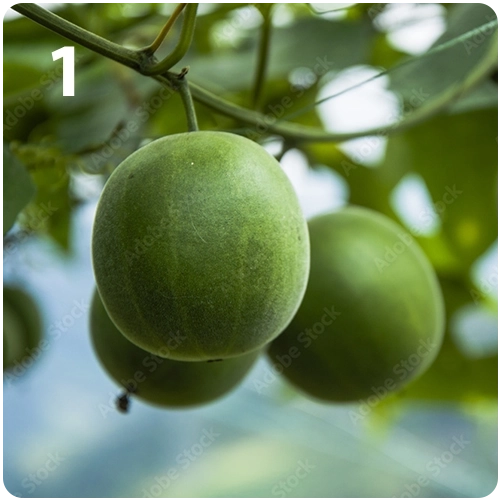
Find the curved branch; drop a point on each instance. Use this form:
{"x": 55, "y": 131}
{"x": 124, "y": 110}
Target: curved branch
{"x": 155, "y": 45}
{"x": 182, "y": 46}
{"x": 262, "y": 123}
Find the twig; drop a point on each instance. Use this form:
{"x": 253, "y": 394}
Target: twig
{"x": 151, "y": 49}
{"x": 262, "y": 60}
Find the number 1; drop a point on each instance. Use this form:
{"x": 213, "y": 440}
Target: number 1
{"x": 68, "y": 57}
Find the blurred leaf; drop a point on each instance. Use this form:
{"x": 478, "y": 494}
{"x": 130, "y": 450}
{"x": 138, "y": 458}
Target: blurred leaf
{"x": 50, "y": 211}
{"x": 283, "y": 99}
{"x": 18, "y": 188}
{"x": 483, "y": 96}
{"x": 21, "y": 31}
{"x": 92, "y": 114}
{"x": 310, "y": 42}
{"x": 316, "y": 42}
{"x": 457, "y": 157}
{"x": 52, "y": 208}
{"x": 430, "y": 79}
{"x": 19, "y": 77}
{"x": 383, "y": 53}
{"x": 369, "y": 187}
{"x": 23, "y": 99}
{"x": 29, "y": 72}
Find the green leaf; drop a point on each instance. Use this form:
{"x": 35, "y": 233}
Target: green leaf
{"x": 432, "y": 80}
{"x": 310, "y": 42}
{"x": 383, "y": 53}
{"x": 18, "y": 188}
{"x": 23, "y": 98}
{"x": 457, "y": 157}
{"x": 90, "y": 117}
{"x": 50, "y": 210}
{"x": 484, "y": 96}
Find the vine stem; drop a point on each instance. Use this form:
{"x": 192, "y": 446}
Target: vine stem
{"x": 182, "y": 46}
{"x": 263, "y": 56}
{"x": 53, "y": 22}
{"x": 155, "y": 45}
{"x": 263, "y": 123}
{"x": 187, "y": 100}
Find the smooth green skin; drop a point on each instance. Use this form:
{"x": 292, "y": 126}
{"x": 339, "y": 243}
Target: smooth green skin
{"x": 162, "y": 382}
{"x": 200, "y": 235}
{"x": 384, "y": 315}
{"x": 22, "y": 326}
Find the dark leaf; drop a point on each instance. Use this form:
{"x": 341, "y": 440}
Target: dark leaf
{"x": 18, "y": 188}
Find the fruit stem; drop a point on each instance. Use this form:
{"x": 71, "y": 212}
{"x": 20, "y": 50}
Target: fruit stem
{"x": 183, "y": 87}
{"x": 263, "y": 57}
{"x": 151, "y": 49}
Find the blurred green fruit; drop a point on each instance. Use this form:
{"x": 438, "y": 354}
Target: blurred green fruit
{"x": 157, "y": 380}
{"x": 200, "y": 249}
{"x": 22, "y": 329}
{"x": 372, "y": 318}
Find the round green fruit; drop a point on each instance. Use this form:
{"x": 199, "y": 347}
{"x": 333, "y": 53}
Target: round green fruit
{"x": 200, "y": 249}
{"x": 160, "y": 381}
{"x": 372, "y": 318}
{"x": 22, "y": 328}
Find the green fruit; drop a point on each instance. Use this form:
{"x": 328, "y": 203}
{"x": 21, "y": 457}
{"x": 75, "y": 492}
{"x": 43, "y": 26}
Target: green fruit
{"x": 372, "y": 318}
{"x": 200, "y": 249}
{"x": 22, "y": 328}
{"x": 157, "y": 380}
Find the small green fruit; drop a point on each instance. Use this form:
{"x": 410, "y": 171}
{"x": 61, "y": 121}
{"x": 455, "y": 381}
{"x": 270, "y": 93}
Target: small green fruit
{"x": 157, "y": 380}
{"x": 372, "y": 318}
{"x": 200, "y": 249}
{"x": 22, "y": 328}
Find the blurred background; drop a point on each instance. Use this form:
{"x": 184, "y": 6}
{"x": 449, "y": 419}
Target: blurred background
{"x": 430, "y": 92}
